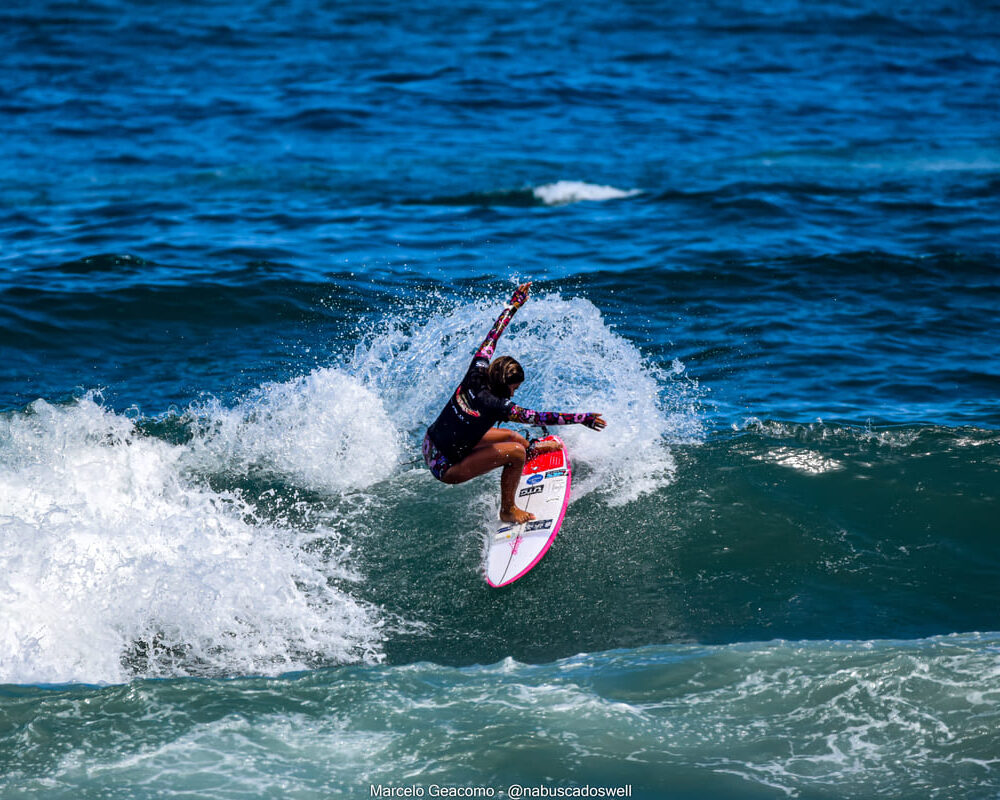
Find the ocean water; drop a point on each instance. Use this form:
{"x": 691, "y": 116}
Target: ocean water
{"x": 247, "y": 250}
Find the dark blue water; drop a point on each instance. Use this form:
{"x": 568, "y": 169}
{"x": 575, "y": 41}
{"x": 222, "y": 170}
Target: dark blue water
{"x": 247, "y": 251}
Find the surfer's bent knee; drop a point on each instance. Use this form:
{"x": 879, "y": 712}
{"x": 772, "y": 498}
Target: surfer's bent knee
{"x": 517, "y": 454}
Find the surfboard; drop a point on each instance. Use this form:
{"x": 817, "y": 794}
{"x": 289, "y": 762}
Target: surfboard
{"x": 512, "y": 551}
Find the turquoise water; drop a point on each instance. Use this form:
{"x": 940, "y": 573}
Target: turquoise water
{"x": 898, "y": 718}
{"x": 247, "y": 251}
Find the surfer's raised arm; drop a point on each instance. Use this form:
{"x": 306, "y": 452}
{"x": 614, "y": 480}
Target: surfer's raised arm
{"x": 518, "y": 299}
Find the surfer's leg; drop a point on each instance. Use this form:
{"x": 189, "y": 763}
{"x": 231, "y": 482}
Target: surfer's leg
{"x": 509, "y": 479}
{"x": 534, "y": 448}
{"x": 498, "y": 435}
{"x": 487, "y": 457}
{"x": 538, "y": 448}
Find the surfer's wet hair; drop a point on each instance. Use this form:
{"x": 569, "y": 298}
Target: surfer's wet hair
{"x": 503, "y": 372}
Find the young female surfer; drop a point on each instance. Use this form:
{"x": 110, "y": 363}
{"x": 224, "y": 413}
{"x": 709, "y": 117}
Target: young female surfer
{"x": 462, "y": 442}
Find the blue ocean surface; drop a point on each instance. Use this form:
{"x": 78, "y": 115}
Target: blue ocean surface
{"x": 246, "y": 253}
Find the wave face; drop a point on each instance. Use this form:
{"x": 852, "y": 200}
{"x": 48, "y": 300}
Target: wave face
{"x": 314, "y": 493}
{"x": 240, "y": 277}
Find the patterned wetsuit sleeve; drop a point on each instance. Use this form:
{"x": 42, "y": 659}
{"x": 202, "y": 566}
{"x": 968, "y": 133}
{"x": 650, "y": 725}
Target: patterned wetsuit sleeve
{"x": 530, "y": 417}
{"x": 489, "y": 344}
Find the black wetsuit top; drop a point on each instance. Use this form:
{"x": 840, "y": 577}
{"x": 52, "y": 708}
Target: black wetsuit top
{"x": 472, "y": 410}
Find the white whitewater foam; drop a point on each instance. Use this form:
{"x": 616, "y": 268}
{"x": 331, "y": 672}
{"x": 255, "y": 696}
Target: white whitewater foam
{"x": 565, "y": 192}
{"x": 325, "y": 431}
{"x": 114, "y": 561}
{"x": 573, "y": 362}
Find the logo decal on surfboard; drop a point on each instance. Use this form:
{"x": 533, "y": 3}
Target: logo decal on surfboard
{"x": 530, "y": 490}
{"x": 534, "y": 479}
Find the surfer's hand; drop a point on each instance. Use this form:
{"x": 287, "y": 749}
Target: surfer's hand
{"x": 520, "y": 296}
{"x": 594, "y": 422}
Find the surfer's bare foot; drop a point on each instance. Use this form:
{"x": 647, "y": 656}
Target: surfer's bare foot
{"x": 516, "y": 515}
{"x": 549, "y": 446}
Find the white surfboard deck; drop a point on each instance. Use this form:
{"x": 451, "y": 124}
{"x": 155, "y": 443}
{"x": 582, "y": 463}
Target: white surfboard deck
{"x": 513, "y": 550}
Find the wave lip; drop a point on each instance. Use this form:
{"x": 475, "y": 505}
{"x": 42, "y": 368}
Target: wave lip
{"x": 563, "y": 193}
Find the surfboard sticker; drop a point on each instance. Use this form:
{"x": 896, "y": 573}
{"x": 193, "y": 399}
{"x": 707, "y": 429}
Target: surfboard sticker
{"x": 513, "y": 550}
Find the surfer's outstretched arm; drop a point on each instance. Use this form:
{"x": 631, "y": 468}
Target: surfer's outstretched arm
{"x": 517, "y": 300}
{"x": 530, "y": 417}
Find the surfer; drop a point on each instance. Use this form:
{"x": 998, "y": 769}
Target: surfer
{"x": 462, "y": 443}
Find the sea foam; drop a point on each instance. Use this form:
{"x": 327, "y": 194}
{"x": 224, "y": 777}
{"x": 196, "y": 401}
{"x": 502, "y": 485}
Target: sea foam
{"x": 117, "y": 561}
{"x": 325, "y": 431}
